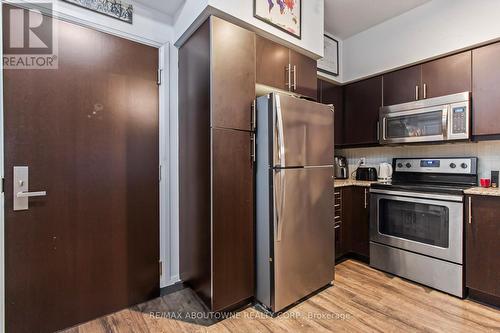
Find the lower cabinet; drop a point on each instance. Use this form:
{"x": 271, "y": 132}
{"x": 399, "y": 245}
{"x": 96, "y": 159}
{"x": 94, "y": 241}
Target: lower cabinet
{"x": 355, "y": 227}
{"x": 482, "y": 248}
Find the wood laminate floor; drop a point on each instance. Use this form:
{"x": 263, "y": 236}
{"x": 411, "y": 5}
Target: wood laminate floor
{"x": 362, "y": 300}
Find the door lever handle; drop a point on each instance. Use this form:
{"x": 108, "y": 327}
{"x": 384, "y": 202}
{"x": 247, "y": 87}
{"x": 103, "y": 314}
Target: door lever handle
{"x": 31, "y": 194}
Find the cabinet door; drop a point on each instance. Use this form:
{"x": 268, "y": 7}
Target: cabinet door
{"x": 304, "y": 74}
{"x": 482, "y": 244}
{"x": 449, "y": 75}
{"x": 332, "y": 94}
{"x": 272, "y": 62}
{"x": 233, "y": 75}
{"x": 485, "y": 88}
{"x": 232, "y": 218}
{"x": 402, "y": 86}
{"x": 362, "y": 101}
{"x": 360, "y": 221}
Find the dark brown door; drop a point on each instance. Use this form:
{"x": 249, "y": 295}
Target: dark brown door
{"x": 304, "y": 74}
{"x": 233, "y": 75}
{"x": 485, "y": 90}
{"x": 449, "y": 75}
{"x": 88, "y": 132}
{"x": 233, "y": 230}
{"x": 272, "y": 62}
{"x": 359, "y": 221}
{"x": 332, "y": 94}
{"x": 402, "y": 86}
{"x": 362, "y": 101}
{"x": 483, "y": 245}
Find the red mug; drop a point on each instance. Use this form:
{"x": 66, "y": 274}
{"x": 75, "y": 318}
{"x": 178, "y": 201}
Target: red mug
{"x": 485, "y": 182}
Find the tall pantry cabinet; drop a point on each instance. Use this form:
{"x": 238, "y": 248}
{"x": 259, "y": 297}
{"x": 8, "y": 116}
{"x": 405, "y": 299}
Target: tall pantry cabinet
{"x": 216, "y": 92}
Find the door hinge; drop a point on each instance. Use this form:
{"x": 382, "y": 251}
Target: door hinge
{"x": 161, "y": 268}
{"x": 159, "y": 76}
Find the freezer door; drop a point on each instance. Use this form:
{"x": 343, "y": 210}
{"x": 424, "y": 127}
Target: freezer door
{"x": 303, "y": 132}
{"x": 303, "y": 233}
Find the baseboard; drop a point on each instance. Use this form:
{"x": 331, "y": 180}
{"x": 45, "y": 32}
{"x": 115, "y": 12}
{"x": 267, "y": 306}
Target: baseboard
{"x": 172, "y": 288}
{"x": 484, "y": 298}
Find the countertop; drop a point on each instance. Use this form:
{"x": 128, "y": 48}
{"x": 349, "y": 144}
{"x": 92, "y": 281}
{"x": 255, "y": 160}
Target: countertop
{"x": 483, "y": 191}
{"x": 352, "y": 182}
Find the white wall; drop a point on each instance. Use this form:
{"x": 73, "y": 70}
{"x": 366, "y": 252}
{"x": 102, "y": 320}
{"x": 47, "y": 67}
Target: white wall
{"x": 486, "y": 151}
{"x": 431, "y": 30}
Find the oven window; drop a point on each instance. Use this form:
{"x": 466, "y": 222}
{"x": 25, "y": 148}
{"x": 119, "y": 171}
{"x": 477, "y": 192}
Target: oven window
{"x": 423, "y": 223}
{"x": 424, "y": 124}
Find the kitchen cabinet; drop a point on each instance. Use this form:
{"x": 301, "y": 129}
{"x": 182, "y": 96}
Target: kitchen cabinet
{"x": 485, "y": 88}
{"x": 362, "y": 101}
{"x": 445, "y": 76}
{"x": 402, "y": 86}
{"x": 482, "y": 248}
{"x": 285, "y": 69}
{"x": 216, "y": 231}
{"x": 448, "y": 75}
{"x": 355, "y": 225}
{"x": 328, "y": 93}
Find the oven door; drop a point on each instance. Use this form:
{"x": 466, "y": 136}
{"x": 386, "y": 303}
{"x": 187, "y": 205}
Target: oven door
{"x": 422, "y": 125}
{"x": 425, "y": 223}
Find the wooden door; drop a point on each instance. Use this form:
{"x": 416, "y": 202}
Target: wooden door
{"x": 232, "y": 222}
{"x": 232, "y": 75}
{"x": 449, "y": 75}
{"x": 360, "y": 221}
{"x": 305, "y": 74}
{"x": 485, "y": 88}
{"x": 483, "y": 245}
{"x": 88, "y": 131}
{"x": 332, "y": 94}
{"x": 403, "y": 86}
{"x": 362, "y": 101}
{"x": 272, "y": 62}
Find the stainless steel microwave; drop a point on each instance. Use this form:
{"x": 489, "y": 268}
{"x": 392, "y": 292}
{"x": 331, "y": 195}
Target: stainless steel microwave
{"x": 443, "y": 118}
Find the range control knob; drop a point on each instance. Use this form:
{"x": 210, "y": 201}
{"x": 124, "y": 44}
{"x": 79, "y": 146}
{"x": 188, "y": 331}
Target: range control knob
{"x": 464, "y": 165}
{"x": 408, "y": 165}
{"x": 400, "y": 165}
{"x": 453, "y": 165}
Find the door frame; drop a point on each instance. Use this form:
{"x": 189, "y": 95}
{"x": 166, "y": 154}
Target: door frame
{"x": 166, "y": 191}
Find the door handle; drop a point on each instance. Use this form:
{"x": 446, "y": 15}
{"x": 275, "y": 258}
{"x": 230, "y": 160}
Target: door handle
{"x": 425, "y": 91}
{"x": 288, "y": 71}
{"x": 294, "y": 84}
{"x": 470, "y": 210}
{"x": 21, "y": 191}
{"x": 366, "y": 198}
{"x": 31, "y": 194}
{"x": 417, "y": 93}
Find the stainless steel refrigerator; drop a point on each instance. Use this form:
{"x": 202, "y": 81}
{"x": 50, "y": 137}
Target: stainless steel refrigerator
{"x": 294, "y": 199}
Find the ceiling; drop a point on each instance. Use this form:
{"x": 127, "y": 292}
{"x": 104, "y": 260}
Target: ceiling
{"x": 168, "y": 7}
{"x": 345, "y": 18}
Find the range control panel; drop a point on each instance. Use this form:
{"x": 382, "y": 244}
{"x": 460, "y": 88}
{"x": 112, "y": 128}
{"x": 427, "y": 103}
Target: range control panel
{"x": 465, "y": 165}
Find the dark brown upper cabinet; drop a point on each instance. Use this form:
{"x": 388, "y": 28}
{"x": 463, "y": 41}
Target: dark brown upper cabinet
{"x": 233, "y": 75}
{"x": 285, "y": 69}
{"x": 329, "y": 93}
{"x": 485, "y": 90}
{"x": 448, "y": 75}
{"x": 362, "y": 101}
{"x": 482, "y": 245}
{"x": 402, "y": 86}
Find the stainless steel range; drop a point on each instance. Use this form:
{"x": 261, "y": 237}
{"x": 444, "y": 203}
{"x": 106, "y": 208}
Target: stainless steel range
{"x": 416, "y": 221}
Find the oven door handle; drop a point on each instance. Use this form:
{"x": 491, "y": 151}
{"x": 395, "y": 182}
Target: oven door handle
{"x": 444, "y": 197}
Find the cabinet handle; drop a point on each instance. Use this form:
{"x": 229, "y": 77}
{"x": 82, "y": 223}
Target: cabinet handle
{"x": 425, "y": 91}
{"x": 294, "y": 86}
{"x": 378, "y": 130}
{"x": 470, "y": 210}
{"x": 288, "y": 70}
{"x": 253, "y": 121}
{"x": 417, "y": 92}
{"x": 366, "y": 198}
{"x": 253, "y": 149}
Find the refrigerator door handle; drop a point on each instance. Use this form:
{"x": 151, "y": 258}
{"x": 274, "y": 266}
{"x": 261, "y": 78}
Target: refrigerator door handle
{"x": 281, "y": 138}
{"x": 279, "y": 203}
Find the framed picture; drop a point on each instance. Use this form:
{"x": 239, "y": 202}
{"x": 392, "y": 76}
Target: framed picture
{"x": 285, "y": 15}
{"x": 329, "y": 64}
{"x": 118, "y": 9}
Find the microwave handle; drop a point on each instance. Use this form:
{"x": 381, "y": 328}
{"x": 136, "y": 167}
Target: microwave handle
{"x": 445, "y": 122}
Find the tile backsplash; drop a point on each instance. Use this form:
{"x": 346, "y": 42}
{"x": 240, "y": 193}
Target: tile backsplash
{"x": 488, "y": 153}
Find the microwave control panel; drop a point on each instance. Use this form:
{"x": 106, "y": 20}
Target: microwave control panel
{"x": 459, "y": 116}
